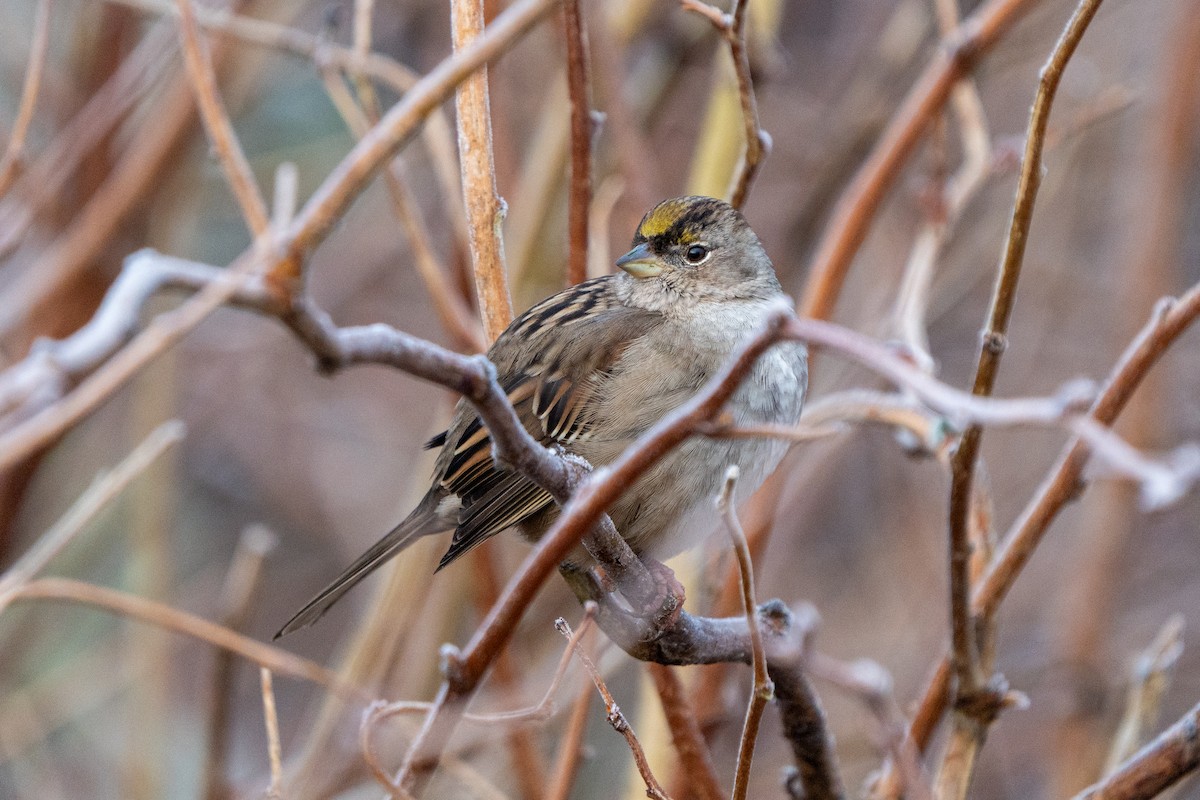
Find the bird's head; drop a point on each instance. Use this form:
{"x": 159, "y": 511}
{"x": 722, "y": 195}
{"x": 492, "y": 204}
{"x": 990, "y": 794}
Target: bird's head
{"x": 699, "y": 248}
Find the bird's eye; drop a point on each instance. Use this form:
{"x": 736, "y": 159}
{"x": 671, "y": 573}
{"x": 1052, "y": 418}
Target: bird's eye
{"x": 696, "y": 253}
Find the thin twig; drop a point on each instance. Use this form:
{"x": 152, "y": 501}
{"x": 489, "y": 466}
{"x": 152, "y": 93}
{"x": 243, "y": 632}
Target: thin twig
{"x": 570, "y": 748}
{"x": 732, "y": 27}
{"x": 56, "y": 413}
{"x": 378, "y": 712}
{"x": 524, "y": 752}
{"x": 871, "y": 684}
{"x": 758, "y": 143}
{"x": 1156, "y": 767}
{"x": 10, "y": 163}
{"x": 106, "y": 487}
{"x": 237, "y": 600}
{"x": 763, "y": 690}
{"x": 1171, "y": 317}
{"x": 962, "y": 466}
{"x": 686, "y": 736}
{"x": 52, "y": 416}
{"x": 615, "y": 717}
{"x": 274, "y": 749}
{"x": 456, "y": 316}
{"x": 485, "y": 209}
{"x": 580, "y": 91}
{"x": 912, "y": 297}
{"x": 126, "y": 185}
{"x": 1149, "y": 679}
{"x": 1161, "y": 482}
{"x": 851, "y": 218}
{"x": 43, "y": 181}
{"x": 127, "y": 605}
{"x": 216, "y": 122}
{"x": 324, "y": 53}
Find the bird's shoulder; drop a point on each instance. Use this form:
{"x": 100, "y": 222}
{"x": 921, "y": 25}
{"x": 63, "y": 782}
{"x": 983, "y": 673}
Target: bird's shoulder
{"x": 551, "y": 362}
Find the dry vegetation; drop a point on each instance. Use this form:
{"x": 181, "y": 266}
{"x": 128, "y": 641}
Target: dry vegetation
{"x": 984, "y": 540}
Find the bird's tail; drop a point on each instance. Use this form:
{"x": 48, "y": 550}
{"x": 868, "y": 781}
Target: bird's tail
{"x": 424, "y": 520}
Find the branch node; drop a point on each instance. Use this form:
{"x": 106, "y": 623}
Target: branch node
{"x": 985, "y": 705}
{"x": 994, "y": 342}
{"x": 450, "y": 664}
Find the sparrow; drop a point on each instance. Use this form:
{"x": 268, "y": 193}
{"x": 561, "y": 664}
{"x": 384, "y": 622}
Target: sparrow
{"x": 592, "y": 368}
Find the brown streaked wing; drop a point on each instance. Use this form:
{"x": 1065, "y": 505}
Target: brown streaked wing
{"x": 551, "y": 388}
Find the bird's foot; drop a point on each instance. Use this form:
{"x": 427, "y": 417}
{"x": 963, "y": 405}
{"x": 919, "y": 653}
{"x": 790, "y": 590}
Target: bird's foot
{"x": 666, "y": 604}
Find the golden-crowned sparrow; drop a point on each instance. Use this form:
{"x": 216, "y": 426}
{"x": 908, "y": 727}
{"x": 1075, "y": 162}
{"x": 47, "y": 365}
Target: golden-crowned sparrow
{"x": 594, "y": 367}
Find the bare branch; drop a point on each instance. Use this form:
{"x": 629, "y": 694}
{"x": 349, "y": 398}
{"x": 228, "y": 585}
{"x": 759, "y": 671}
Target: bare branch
{"x": 967, "y": 668}
{"x": 216, "y": 122}
{"x": 237, "y": 597}
{"x": 732, "y": 27}
{"x": 615, "y": 717}
{"x": 127, "y": 605}
{"x": 310, "y": 226}
{"x": 686, "y": 735}
{"x": 569, "y": 752}
{"x": 456, "y": 316}
{"x": 579, "y": 86}
{"x": 852, "y": 215}
{"x": 327, "y": 54}
{"x": 758, "y": 143}
{"x": 485, "y": 209}
{"x": 1149, "y": 678}
{"x": 106, "y": 487}
{"x": 871, "y": 684}
{"x": 274, "y": 750}
{"x": 10, "y": 163}
{"x": 763, "y": 689}
{"x": 1156, "y": 767}
{"x": 1170, "y": 319}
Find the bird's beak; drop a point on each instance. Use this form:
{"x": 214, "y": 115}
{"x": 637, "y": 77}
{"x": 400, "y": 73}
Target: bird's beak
{"x": 640, "y": 262}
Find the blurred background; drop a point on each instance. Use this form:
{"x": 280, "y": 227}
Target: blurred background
{"x": 94, "y": 705}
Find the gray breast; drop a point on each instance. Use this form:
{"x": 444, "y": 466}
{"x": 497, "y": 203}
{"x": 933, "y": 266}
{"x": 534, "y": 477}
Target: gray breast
{"x": 670, "y": 508}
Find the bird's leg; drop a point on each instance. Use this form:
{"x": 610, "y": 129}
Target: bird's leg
{"x": 667, "y": 603}
{"x": 657, "y": 607}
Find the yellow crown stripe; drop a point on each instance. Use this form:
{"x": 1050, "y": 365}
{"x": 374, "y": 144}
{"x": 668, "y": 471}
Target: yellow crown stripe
{"x": 660, "y": 220}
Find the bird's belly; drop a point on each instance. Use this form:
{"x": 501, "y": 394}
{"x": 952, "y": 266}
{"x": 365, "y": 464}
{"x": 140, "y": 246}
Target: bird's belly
{"x": 670, "y": 508}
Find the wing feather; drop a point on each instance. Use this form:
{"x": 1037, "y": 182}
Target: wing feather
{"x": 553, "y": 382}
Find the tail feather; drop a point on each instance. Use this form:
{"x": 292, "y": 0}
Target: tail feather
{"x": 424, "y": 520}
